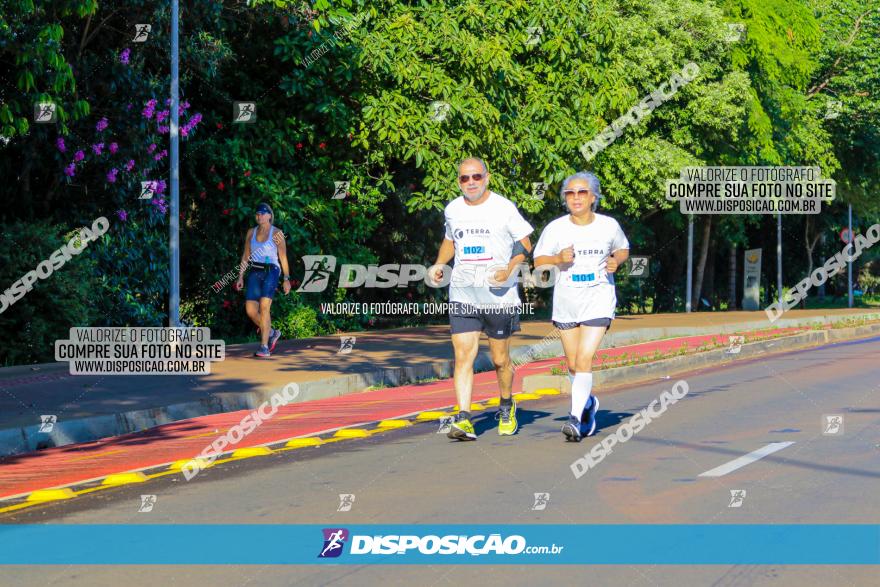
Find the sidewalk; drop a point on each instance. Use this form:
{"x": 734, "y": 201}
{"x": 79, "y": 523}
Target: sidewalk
{"x": 92, "y": 407}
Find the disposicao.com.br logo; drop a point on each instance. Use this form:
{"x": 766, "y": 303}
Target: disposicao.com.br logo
{"x": 412, "y": 544}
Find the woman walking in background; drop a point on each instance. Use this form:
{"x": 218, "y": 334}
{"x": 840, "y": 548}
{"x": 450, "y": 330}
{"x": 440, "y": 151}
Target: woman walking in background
{"x": 265, "y": 255}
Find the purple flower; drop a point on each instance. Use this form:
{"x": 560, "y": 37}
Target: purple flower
{"x": 161, "y": 186}
{"x": 70, "y": 170}
{"x": 149, "y": 109}
{"x": 97, "y": 148}
{"x": 161, "y": 155}
{"x": 191, "y": 124}
{"x": 111, "y": 175}
{"x": 160, "y": 205}
{"x": 128, "y": 107}
{"x": 59, "y": 142}
{"x": 79, "y": 156}
{"x": 123, "y": 57}
{"x": 114, "y": 147}
{"x": 151, "y": 148}
{"x": 162, "y": 115}
{"x": 130, "y": 165}
{"x": 123, "y": 215}
{"x": 162, "y": 129}
{"x": 102, "y": 124}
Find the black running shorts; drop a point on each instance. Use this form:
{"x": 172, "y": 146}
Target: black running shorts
{"x": 606, "y": 322}
{"x": 497, "y": 323}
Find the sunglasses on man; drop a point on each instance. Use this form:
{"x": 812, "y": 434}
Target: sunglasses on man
{"x": 467, "y": 178}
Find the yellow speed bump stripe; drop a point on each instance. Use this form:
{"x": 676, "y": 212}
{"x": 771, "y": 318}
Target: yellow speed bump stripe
{"x": 302, "y": 442}
{"x": 521, "y": 397}
{"x": 389, "y": 424}
{"x": 352, "y": 433}
{"x": 431, "y": 416}
{"x": 547, "y": 391}
{"x": 42, "y": 495}
{"x": 493, "y": 401}
{"x": 197, "y": 462}
{"x": 124, "y": 478}
{"x": 251, "y": 451}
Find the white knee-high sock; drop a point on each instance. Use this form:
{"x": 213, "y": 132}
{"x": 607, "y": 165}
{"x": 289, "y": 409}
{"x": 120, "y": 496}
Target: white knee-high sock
{"x": 580, "y": 393}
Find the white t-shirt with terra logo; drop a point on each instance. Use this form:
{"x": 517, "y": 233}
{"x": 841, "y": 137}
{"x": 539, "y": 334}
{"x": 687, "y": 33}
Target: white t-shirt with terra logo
{"x": 584, "y": 290}
{"x": 484, "y": 236}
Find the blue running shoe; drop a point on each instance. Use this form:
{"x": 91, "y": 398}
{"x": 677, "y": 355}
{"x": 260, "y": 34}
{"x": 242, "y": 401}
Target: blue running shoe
{"x": 589, "y": 416}
{"x": 274, "y": 335}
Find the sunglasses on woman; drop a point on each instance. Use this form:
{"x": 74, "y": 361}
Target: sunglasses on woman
{"x": 467, "y": 178}
{"x": 571, "y": 193}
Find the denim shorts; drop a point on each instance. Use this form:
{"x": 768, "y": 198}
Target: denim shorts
{"x": 262, "y": 283}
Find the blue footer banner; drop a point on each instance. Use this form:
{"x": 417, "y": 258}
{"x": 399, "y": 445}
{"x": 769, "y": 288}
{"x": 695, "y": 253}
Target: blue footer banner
{"x": 557, "y": 544}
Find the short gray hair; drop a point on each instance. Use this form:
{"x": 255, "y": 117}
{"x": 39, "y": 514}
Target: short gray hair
{"x": 480, "y": 161}
{"x": 591, "y": 180}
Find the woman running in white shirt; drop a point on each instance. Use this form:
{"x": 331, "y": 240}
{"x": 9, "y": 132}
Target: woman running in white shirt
{"x": 587, "y": 248}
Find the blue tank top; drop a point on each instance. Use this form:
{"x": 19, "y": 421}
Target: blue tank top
{"x": 265, "y": 252}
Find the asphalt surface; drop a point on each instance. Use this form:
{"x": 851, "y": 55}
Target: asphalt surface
{"x": 416, "y": 476}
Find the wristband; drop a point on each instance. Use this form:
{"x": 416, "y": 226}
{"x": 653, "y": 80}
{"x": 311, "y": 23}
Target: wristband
{"x": 519, "y": 249}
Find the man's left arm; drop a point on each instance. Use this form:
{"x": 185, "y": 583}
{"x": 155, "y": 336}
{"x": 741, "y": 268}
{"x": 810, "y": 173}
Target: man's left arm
{"x": 521, "y": 249}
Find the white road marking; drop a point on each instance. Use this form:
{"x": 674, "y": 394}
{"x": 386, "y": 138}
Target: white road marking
{"x": 748, "y": 459}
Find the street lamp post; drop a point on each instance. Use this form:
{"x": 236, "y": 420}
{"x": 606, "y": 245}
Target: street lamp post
{"x": 779, "y": 258}
{"x": 174, "y": 224}
{"x": 690, "y": 268}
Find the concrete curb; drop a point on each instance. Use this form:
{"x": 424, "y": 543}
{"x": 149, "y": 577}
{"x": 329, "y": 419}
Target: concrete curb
{"x": 26, "y": 439}
{"x": 666, "y": 368}
{"x": 613, "y": 339}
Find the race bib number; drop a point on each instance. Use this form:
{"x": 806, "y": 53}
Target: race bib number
{"x": 473, "y": 246}
{"x": 586, "y": 276}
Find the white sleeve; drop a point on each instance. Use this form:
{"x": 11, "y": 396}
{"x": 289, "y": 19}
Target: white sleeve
{"x": 448, "y": 227}
{"x": 546, "y": 244}
{"x": 619, "y": 240}
{"x": 517, "y": 225}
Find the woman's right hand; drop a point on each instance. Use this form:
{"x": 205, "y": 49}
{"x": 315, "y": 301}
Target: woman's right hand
{"x": 567, "y": 254}
{"x": 239, "y": 284}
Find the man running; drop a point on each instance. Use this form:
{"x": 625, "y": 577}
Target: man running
{"x": 488, "y": 238}
{"x": 587, "y": 248}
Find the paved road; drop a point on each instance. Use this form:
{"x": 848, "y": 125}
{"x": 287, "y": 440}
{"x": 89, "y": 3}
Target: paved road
{"x": 416, "y": 476}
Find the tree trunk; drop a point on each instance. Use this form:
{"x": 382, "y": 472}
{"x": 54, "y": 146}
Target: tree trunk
{"x": 24, "y": 194}
{"x": 709, "y": 280}
{"x": 809, "y": 244}
{"x": 731, "y": 279}
{"x": 701, "y": 264}
{"x": 822, "y": 248}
